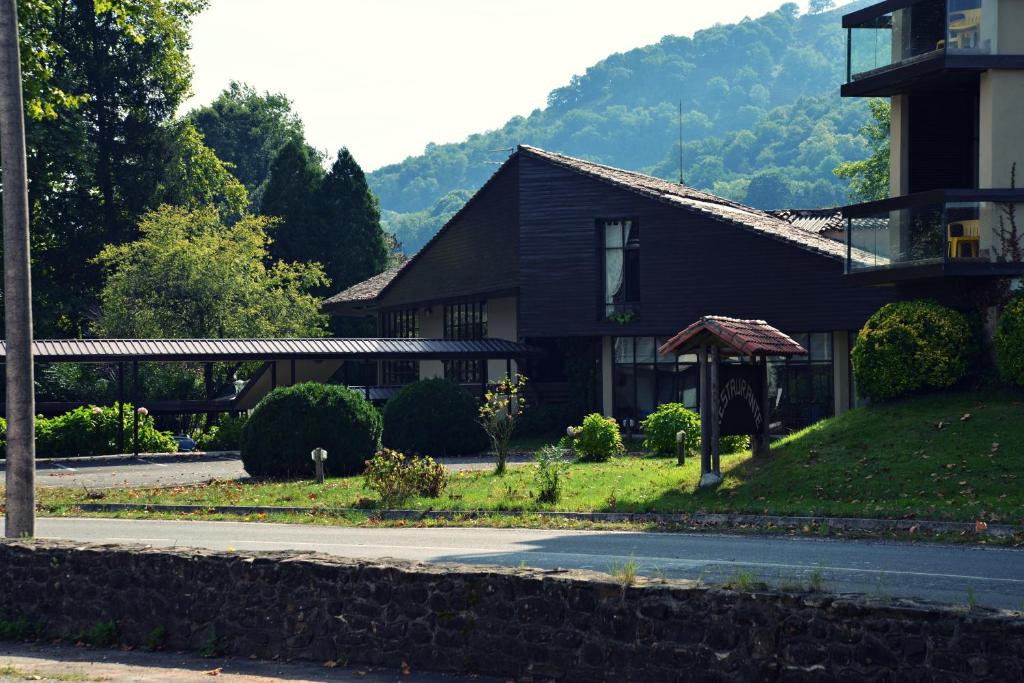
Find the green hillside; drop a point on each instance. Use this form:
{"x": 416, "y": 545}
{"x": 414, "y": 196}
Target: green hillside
{"x": 759, "y": 98}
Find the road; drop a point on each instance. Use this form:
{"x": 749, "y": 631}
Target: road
{"x": 941, "y": 573}
{"x": 178, "y": 470}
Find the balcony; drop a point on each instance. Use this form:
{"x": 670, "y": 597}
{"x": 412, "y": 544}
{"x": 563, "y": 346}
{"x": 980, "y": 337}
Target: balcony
{"x": 917, "y": 44}
{"x": 941, "y": 233}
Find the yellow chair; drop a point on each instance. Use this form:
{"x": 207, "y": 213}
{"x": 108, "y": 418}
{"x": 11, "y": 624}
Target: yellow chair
{"x": 964, "y": 238}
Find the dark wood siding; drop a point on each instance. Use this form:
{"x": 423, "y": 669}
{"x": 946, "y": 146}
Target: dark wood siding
{"x": 476, "y": 253}
{"x": 689, "y": 266}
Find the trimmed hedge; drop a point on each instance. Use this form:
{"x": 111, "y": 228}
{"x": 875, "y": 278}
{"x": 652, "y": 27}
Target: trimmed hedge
{"x": 1009, "y": 342}
{"x": 434, "y": 416}
{"x": 909, "y": 346}
{"x": 290, "y": 422}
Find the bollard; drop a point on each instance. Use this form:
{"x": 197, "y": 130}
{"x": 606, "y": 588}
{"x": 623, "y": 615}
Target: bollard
{"x": 680, "y": 447}
{"x": 319, "y": 455}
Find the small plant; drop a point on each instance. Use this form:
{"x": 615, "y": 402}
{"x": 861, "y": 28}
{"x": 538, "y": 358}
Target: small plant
{"x": 597, "y": 439}
{"x": 622, "y": 317}
{"x": 396, "y": 477}
{"x": 972, "y": 599}
{"x": 19, "y": 629}
{"x": 550, "y": 463}
{"x": 503, "y": 405}
{"x": 1009, "y": 342}
{"x": 226, "y": 435}
{"x": 214, "y": 647}
{"x": 745, "y": 581}
{"x": 816, "y": 580}
{"x": 101, "y": 634}
{"x": 156, "y": 638}
{"x": 663, "y": 424}
{"x": 625, "y": 572}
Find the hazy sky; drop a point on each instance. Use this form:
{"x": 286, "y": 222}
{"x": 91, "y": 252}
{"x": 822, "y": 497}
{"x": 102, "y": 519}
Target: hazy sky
{"x": 385, "y": 77}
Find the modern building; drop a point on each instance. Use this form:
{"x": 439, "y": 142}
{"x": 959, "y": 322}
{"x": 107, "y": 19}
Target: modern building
{"x": 954, "y": 70}
{"x": 598, "y": 266}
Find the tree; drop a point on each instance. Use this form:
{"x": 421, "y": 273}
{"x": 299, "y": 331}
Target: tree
{"x": 106, "y": 77}
{"x": 194, "y": 177}
{"x": 247, "y": 129}
{"x": 191, "y": 276}
{"x": 819, "y": 6}
{"x": 20, "y": 396}
{"x": 869, "y": 178}
{"x": 769, "y": 190}
{"x": 332, "y": 218}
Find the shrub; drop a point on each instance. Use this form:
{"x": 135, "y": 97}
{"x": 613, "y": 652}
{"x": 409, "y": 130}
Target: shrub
{"x": 92, "y": 430}
{"x": 1009, "y": 342}
{"x": 395, "y": 478}
{"x": 545, "y": 420}
{"x": 290, "y": 422}
{"x": 550, "y": 461}
{"x": 662, "y": 425}
{"x": 909, "y": 346}
{"x": 433, "y": 416}
{"x": 502, "y": 406}
{"x": 733, "y": 444}
{"x": 226, "y": 435}
{"x": 597, "y": 439}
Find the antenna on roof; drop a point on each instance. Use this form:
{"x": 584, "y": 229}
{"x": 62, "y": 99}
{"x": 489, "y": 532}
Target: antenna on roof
{"x": 680, "y": 142}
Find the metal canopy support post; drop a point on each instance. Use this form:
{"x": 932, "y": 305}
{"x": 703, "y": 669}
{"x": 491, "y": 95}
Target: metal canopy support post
{"x": 273, "y": 374}
{"x": 508, "y": 368}
{"x": 293, "y": 371}
{"x": 135, "y": 406}
{"x": 120, "y": 407}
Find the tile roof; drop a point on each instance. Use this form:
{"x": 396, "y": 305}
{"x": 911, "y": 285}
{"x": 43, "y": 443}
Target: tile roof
{"x": 703, "y": 202}
{"x": 112, "y": 350}
{"x": 748, "y": 337}
{"x": 365, "y": 291}
{"x": 813, "y": 220}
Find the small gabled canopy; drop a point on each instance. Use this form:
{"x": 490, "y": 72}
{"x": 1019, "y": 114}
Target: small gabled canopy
{"x": 741, "y": 337}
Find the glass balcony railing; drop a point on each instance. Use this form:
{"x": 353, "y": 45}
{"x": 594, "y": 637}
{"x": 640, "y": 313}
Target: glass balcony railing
{"x": 967, "y": 231}
{"x": 895, "y": 34}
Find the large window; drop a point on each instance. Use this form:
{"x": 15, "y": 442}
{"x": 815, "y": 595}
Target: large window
{"x": 466, "y": 321}
{"x": 403, "y": 324}
{"x": 642, "y": 379}
{"x": 800, "y": 388}
{"x": 621, "y": 267}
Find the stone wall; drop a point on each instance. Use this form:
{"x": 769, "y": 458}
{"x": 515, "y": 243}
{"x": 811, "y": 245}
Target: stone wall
{"x": 526, "y": 624}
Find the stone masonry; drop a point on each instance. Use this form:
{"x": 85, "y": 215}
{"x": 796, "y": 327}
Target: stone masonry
{"x": 523, "y": 624}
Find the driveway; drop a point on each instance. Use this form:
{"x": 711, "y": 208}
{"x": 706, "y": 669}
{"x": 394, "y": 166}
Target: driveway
{"x": 126, "y": 471}
{"x": 944, "y": 573}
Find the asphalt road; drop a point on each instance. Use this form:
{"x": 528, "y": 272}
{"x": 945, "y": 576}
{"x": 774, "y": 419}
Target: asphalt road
{"x": 177, "y": 470}
{"x": 941, "y": 573}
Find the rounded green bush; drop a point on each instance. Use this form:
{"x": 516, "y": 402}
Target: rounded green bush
{"x": 1009, "y": 342}
{"x": 290, "y": 422}
{"x": 434, "y": 417}
{"x": 597, "y": 439}
{"x": 910, "y": 346}
{"x": 663, "y": 424}
{"x": 92, "y": 430}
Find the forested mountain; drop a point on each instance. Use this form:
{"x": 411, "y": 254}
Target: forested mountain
{"x": 760, "y": 99}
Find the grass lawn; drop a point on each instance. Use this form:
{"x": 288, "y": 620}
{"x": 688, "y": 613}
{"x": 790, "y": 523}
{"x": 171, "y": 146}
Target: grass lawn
{"x": 954, "y": 456}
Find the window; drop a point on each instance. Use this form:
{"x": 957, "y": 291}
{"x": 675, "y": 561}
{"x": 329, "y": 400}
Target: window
{"x": 621, "y": 267}
{"x": 403, "y": 324}
{"x": 466, "y": 321}
{"x": 800, "y": 388}
{"x": 642, "y": 380}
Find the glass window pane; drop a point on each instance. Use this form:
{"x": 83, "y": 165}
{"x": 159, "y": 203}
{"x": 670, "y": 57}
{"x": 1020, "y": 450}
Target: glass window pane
{"x": 821, "y": 346}
{"x": 623, "y": 350}
{"x": 623, "y": 395}
{"x": 632, "y": 231}
{"x": 612, "y": 234}
{"x": 803, "y": 339}
{"x": 645, "y": 391}
{"x": 631, "y": 275}
{"x": 644, "y": 349}
{"x": 658, "y": 343}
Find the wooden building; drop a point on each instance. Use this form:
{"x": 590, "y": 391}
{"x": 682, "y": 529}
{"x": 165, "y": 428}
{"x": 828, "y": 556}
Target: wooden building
{"x": 599, "y": 266}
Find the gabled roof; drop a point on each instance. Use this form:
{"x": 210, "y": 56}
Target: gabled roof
{"x": 813, "y": 220}
{"x": 365, "y": 291}
{"x": 704, "y": 203}
{"x": 747, "y": 337}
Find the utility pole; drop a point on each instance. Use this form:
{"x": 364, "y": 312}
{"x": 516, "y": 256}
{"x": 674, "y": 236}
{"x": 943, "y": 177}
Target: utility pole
{"x": 20, "y": 518}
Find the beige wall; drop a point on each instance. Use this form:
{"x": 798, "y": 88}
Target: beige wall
{"x": 431, "y": 319}
{"x": 1001, "y": 127}
{"x": 502, "y": 323}
{"x": 898, "y": 118}
{"x": 841, "y": 371}
{"x": 305, "y": 371}
{"x": 607, "y": 386}
{"x": 1011, "y": 27}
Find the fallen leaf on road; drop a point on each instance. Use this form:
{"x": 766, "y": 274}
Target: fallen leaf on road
{"x": 980, "y": 526}
{"x": 330, "y": 664}
{"x": 965, "y": 416}
{"x": 405, "y": 670}
{"x": 214, "y": 672}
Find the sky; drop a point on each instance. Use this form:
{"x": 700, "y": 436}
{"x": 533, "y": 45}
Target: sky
{"x": 386, "y": 77}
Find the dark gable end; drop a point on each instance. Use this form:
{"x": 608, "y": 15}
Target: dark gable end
{"x": 692, "y": 264}
{"x": 475, "y": 254}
